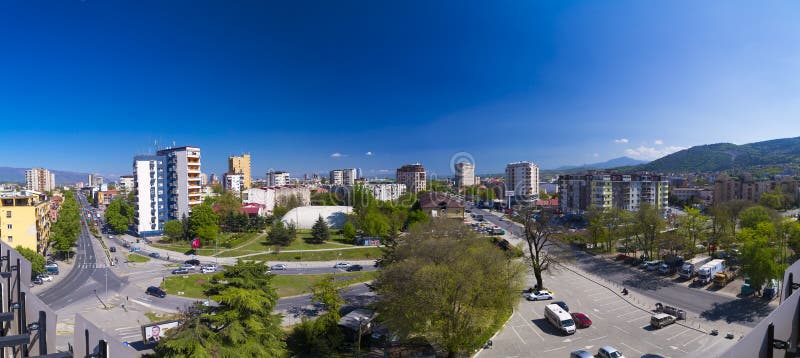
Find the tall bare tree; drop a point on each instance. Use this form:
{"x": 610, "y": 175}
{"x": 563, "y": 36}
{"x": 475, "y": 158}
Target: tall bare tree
{"x": 538, "y": 233}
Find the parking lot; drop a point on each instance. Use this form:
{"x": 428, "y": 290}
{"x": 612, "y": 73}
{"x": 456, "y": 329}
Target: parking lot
{"x": 616, "y": 322}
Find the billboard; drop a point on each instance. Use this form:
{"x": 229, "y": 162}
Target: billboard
{"x": 152, "y": 332}
{"x": 509, "y": 193}
{"x": 195, "y": 243}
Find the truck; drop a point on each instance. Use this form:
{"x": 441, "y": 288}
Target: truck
{"x": 721, "y": 279}
{"x": 706, "y": 273}
{"x": 670, "y": 265}
{"x": 690, "y": 267}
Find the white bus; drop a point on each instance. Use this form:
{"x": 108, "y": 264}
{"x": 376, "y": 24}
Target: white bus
{"x": 559, "y": 318}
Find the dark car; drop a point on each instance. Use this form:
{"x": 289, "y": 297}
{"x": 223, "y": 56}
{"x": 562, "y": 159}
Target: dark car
{"x": 37, "y": 281}
{"x": 180, "y": 271}
{"x": 581, "y": 320}
{"x": 154, "y": 255}
{"x": 378, "y": 262}
{"x": 194, "y": 262}
{"x": 563, "y": 305}
{"x": 354, "y": 268}
{"x": 126, "y": 245}
{"x": 112, "y": 249}
{"x": 155, "y": 291}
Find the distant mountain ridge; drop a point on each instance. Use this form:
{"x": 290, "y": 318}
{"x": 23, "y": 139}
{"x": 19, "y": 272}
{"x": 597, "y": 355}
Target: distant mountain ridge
{"x": 608, "y": 164}
{"x": 17, "y": 175}
{"x": 726, "y": 156}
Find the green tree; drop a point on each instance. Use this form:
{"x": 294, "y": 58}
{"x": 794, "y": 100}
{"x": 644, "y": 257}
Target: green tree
{"x": 448, "y": 286}
{"x": 596, "y": 230}
{"x": 693, "y": 226}
{"x": 243, "y": 325}
{"x": 203, "y": 222}
{"x": 37, "y": 261}
{"x": 64, "y": 232}
{"x": 278, "y": 212}
{"x": 280, "y": 234}
{"x": 648, "y": 225}
{"x": 320, "y": 231}
{"x": 119, "y": 215}
{"x": 349, "y": 232}
{"x": 752, "y": 216}
{"x": 772, "y": 199}
{"x": 758, "y": 257}
{"x": 173, "y": 230}
{"x": 417, "y": 216}
{"x": 374, "y": 224}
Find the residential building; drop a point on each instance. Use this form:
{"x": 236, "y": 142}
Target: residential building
{"x": 412, "y": 176}
{"x": 465, "y": 174}
{"x": 40, "y": 179}
{"x": 103, "y": 198}
{"x": 439, "y": 205}
{"x": 240, "y": 165}
{"x": 183, "y": 179}
{"x": 203, "y": 179}
{"x": 151, "y": 194}
{"x": 91, "y": 180}
{"x": 336, "y": 177}
{"x": 270, "y": 197}
{"x": 577, "y": 193}
{"x": 523, "y": 179}
{"x": 95, "y": 179}
{"x": 343, "y": 176}
{"x": 233, "y": 182}
{"x": 745, "y": 187}
{"x": 213, "y": 180}
{"x": 277, "y": 178}
{"x": 25, "y": 219}
{"x": 386, "y": 191}
{"x": 125, "y": 184}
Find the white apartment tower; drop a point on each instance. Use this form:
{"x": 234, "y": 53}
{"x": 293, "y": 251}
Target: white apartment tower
{"x": 39, "y": 179}
{"x": 277, "y": 178}
{"x": 465, "y": 174}
{"x": 523, "y": 179}
{"x": 344, "y": 176}
{"x": 233, "y": 182}
{"x": 151, "y": 197}
{"x": 183, "y": 179}
{"x": 125, "y": 184}
{"x": 336, "y": 177}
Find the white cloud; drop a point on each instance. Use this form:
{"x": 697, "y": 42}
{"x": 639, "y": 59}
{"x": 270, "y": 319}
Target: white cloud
{"x": 659, "y": 142}
{"x": 369, "y": 154}
{"x": 338, "y": 155}
{"x": 621, "y": 140}
{"x": 595, "y": 155}
{"x": 384, "y": 171}
{"x": 651, "y": 153}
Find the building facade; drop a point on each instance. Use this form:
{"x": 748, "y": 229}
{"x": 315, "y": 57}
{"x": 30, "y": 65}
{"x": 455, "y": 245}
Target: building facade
{"x": 125, "y": 184}
{"x": 278, "y": 178}
{"x": 241, "y": 165}
{"x": 523, "y": 179}
{"x": 343, "y": 176}
{"x": 151, "y": 194}
{"x": 103, "y": 198}
{"x": 577, "y": 193}
{"x": 25, "y": 219}
{"x": 233, "y": 182}
{"x": 335, "y": 177}
{"x": 386, "y": 191}
{"x": 465, "y": 174}
{"x": 39, "y": 179}
{"x": 183, "y": 179}
{"x": 270, "y": 197}
{"x": 412, "y": 176}
{"x": 745, "y": 187}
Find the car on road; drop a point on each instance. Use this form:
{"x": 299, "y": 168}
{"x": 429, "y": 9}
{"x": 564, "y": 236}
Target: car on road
{"x": 609, "y": 352}
{"x": 180, "y": 271}
{"x": 112, "y": 249}
{"x": 280, "y": 267}
{"x": 562, "y": 304}
{"x": 136, "y": 249}
{"x": 352, "y": 268}
{"x": 126, "y": 245}
{"x": 187, "y": 267}
{"x": 155, "y": 291}
{"x": 45, "y": 277}
{"x": 194, "y": 262}
{"x": 154, "y": 255}
{"x": 341, "y": 265}
{"x": 539, "y": 296}
{"x": 581, "y": 320}
{"x": 581, "y": 354}
{"x": 378, "y": 262}
{"x": 207, "y": 269}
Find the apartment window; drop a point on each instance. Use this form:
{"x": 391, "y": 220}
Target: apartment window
{"x": 10, "y": 239}
{"x": 8, "y": 214}
{"x": 9, "y": 226}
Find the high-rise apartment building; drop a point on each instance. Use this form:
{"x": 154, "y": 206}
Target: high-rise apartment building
{"x": 577, "y": 193}
{"x": 183, "y": 179}
{"x": 335, "y": 177}
{"x": 151, "y": 194}
{"x": 233, "y": 182}
{"x": 413, "y": 176}
{"x": 25, "y": 220}
{"x": 343, "y": 176}
{"x": 465, "y": 174}
{"x": 240, "y": 165}
{"x": 523, "y": 179}
{"x": 125, "y": 184}
{"x": 39, "y": 179}
{"x": 277, "y": 178}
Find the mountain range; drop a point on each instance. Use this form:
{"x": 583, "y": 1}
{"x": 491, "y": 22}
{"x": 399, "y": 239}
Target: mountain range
{"x": 17, "y": 175}
{"x": 608, "y": 164}
{"x": 726, "y": 157}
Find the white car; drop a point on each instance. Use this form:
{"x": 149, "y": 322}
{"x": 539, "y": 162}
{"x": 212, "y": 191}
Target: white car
{"x": 189, "y": 267}
{"x": 539, "y": 296}
{"x": 279, "y": 267}
{"x": 46, "y": 278}
{"x": 343, "y": 265}
{"x": 208, "y": 270}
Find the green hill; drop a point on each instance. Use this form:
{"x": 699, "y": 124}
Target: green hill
{"x": 727, "y": 156}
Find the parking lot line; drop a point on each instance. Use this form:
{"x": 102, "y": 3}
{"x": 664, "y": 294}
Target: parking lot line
{"x": 623, "y": 331}
{"x": 518, "y": 336}
{"x": 694, "y": 339}
{"x": 636, "y": 319}
{"x": 619, "y": 308}
{"x": 597, "y": 294}
{"x": 631, "y": 348}
{"x": 629, "y": 313}
{"x": 554, "y": 349}
{"x": 682, "y": 332}
{"x": 606, "y": 304}
{"x": 598, "y": 338}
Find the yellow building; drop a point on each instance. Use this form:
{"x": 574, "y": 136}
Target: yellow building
{"x": 240, "y": 165}
{"x": 24, "y": 219}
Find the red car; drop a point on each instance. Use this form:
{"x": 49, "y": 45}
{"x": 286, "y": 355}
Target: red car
{"x": 581, "y": 320}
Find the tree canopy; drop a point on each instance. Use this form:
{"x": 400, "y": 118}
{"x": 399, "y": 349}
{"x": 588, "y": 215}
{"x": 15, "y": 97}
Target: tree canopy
{"x": 320, "y": 231}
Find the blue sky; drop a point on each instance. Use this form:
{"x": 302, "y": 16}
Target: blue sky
{"x": 311, "y": 86}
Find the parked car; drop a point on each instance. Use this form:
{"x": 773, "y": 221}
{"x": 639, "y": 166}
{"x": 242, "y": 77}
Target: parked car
{"x": 194, "y": 262}
{"x": 37, "y": 281}
{"x": 154, "y": 255}
{"x": 581, "y": 320}
{"x": 126, "y": 245}
{"x": 539, "y": 296}
{"x": 378, "y": 262}
{"x": 343, "y": 265}
{"x": 581, "y": 354}
{"x": 279, "y": 267}
{"x": 653, "y": 265}
{"x": 207, "y": 269}
{"x": 660, "y": 320}
{"x": 53, "y": 270}
{"x": 562, "y": 304}
{"x": 180, "y": 271}
{"x": 45, "y": 277}
{"x": 352, "y": 268}
{"x": 112, "y": 249}
{"x": 609, "y": 352}
{"x": 135, "y": 249}
{"x": 155, "y": 291}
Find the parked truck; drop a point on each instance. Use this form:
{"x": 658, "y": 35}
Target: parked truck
{"x": 670, "y": 265}
{"x": 690, "y": 267}
{"x": 706, "y": 273}
{"x": 723, "y": 278}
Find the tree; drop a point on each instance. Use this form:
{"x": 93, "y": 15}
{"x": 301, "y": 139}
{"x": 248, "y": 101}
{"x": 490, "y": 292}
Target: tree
{"x": 758, "y": 257}
{"x": 722, "y": 226}
{"x": 617, "y": 222}
{"x": 173, "y": 230}
{"x": 537, "y": 230}
{"x": 321, "y": 337}
{"x": 349, "y": 232}
{"x": 772, "y": 199}
{"x": 648, "y": 225}
{"x": 320, "y": 231}
{"x": 278, "y": 212}
{"x": 595, "y": 231}
{"x": 417, "y": 216}
{"x": 374, "y": 223}
{"x": 280, "y": 234}
{"x": 448, "y": 286}
{"x": 203, "y": 222}
{"x": 37, "y": 261}
{"x": 64, "y": 232}
{"x": 119, "y": 215}
{"x": 693, "y": 226}
{"x": 243, "y": 324}
{"x": 752, "y": 216}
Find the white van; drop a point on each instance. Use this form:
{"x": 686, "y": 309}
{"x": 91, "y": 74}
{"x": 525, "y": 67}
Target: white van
{"x": 659, "y": 320}
{"x": 559, "y": 318}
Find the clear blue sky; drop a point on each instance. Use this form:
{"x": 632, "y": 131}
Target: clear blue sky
{"x": 85, "y": 85}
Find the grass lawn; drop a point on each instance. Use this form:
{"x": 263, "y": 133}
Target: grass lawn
{"x": 351, "y": 254}
{"x": 286, "y": 285}
{"x": 259, "y": 245}
{"x": 208, "y": 248}
{"x": 137, "y": 258}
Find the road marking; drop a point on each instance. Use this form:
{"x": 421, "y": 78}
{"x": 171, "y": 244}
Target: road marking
{"x": 636, "y": 319}
{"x": 652, "y": 344}
{"x": 678, "y": 349}
{"x": 599, "y": 293}
{"x": 631, "y": 348}
{"x": 518, "y": 336}
{"x": 673, "y": 337}
{"x": 694, "y": 339}
{"x": 619, "y": 308}
{"x": 623, "y": 331}
{"x": 554, "y": 349}
{"x": 629, "y": 313}
{"x": 533, "y": 328}
{"x": 594, "y": 339}
{"x": 606, "y": 304}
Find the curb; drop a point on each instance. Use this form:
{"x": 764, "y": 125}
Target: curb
{"x": 496, "y": 333}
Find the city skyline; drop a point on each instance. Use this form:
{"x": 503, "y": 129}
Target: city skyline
{"x": 538, "y": 86}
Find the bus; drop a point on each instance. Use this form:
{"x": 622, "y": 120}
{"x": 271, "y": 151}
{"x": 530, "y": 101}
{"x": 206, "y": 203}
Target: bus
{"x": 559, "y": 318}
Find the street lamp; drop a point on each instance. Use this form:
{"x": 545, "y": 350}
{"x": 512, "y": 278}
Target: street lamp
{"x": 361, "y": 321}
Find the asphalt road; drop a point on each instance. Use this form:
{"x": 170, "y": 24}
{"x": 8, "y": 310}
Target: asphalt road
{"x": 711, "y": 306}
{"x": 87, "y": 276}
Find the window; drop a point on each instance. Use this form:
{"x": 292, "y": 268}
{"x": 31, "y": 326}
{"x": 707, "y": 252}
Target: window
{"x": 9, "y": 226}
{"x": 10, "y": 239}
{"x": 8, "y": 214}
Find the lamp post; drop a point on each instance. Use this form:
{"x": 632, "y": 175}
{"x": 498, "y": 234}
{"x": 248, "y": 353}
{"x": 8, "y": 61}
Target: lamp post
{"x": 360, "y": 325}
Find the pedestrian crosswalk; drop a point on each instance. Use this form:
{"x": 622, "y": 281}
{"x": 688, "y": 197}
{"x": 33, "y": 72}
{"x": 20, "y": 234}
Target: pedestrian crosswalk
{"x": 92, "y": 265}
{"x": 129, "y": 334}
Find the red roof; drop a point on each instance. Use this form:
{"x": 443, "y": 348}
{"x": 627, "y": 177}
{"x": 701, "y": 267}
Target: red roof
{"x": 551, "y": 202}
{"x": 251, "y": 208}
